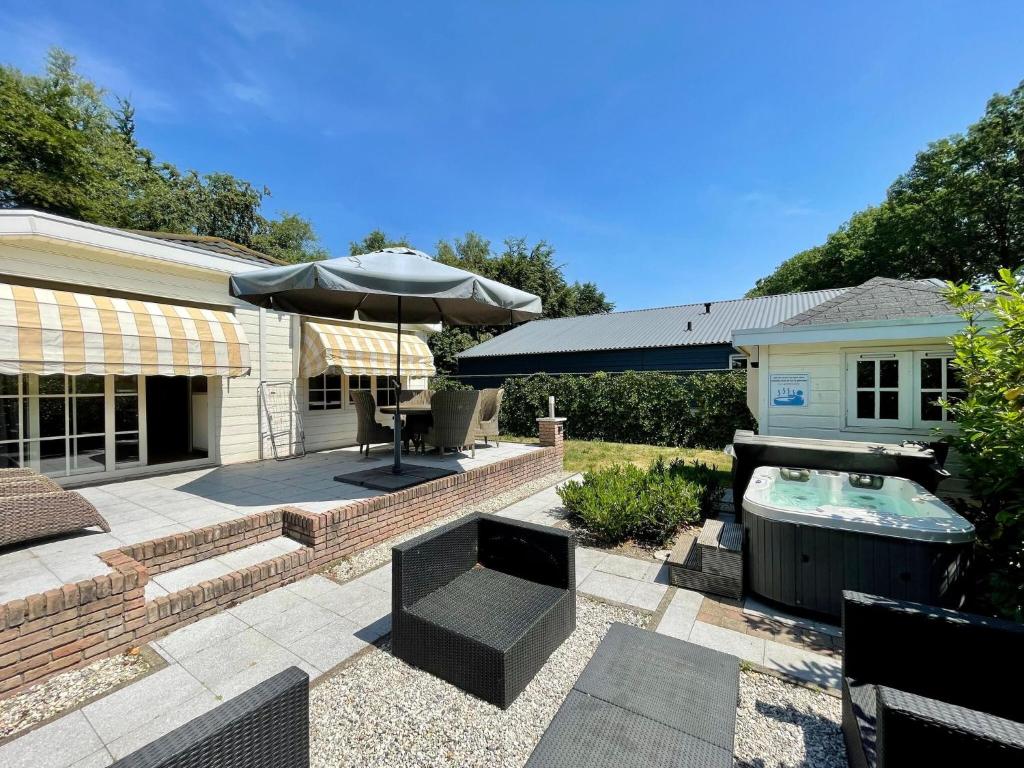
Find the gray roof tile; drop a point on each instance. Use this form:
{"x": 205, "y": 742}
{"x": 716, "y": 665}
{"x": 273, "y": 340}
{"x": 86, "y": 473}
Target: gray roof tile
{"x": 880, "y": 298}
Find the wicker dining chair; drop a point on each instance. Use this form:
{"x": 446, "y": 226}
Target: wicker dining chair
{"x": 490, "y": 410}
{"x": 416, "y": 397}
{"x": 455, "y": 414}
{"x": 368, "y": 431}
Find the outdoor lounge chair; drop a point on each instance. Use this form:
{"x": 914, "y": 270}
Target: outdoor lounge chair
{"x": 36, "y": 515}
{"x": 455, "y": 415}
{"x": 930, "y": 686}
{"x": 20, "y": 485}
{"x": 265, "y": 727}
{"x": 368, "y": 431}
{"x": 9, "y": 473}
{"x": 483, "y": 602}
{"x": 490, "y": 410}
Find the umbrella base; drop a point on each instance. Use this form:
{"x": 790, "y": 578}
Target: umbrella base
{"x": 386, "y": 479}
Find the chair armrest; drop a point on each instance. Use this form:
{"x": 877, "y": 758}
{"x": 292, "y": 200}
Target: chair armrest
{"x": 426, "y": 563}
{"x": 536, "y": 553}
{"x": 916, "y": 730}
{"x": 940, "y": 653}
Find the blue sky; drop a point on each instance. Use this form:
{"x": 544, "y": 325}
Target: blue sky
{"x": 671, "y": 152}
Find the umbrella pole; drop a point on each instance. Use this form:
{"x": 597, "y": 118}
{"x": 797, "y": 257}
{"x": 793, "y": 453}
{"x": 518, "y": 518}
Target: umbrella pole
{"x": 397, "y": 469}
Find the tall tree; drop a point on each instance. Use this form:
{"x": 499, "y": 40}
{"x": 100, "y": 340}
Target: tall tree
{"x": 375, "y": 241}
{"x": 958, "y": 214}
{"x": 66, "y": 150}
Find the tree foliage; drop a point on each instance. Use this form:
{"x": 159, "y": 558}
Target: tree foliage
{"x": 957, "y": 214}
{"x": 66, "y": 149}
{"x": 990, "y": 435}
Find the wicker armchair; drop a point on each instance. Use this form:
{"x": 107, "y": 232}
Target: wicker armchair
{"x": 36, "y": 515}
{"x": 930, "y": 686}
{"x": 455, "y": 415}
{"x": 483, "y": 602}
{"x": 9, "y": 473}
{"x": 368, "y": 431}
{"x": 416, "y": 397}
{"x": 490, "y": 410}
{"x": 265, "y": 727}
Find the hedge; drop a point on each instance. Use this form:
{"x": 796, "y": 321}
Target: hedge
{"x": 693, "y": 410}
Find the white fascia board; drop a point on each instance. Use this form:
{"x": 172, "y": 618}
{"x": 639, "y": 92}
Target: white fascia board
{"x": 21, "y": 224}
{"x": 939, "y": 326}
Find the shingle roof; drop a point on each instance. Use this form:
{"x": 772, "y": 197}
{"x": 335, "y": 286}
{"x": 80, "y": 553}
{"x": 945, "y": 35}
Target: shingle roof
{"x": 645, "y": 328}
{"x": 217, "y": 245}
{"x": 880, "y": 298}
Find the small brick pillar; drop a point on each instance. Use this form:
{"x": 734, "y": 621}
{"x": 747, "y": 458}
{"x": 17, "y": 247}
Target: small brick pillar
{"x": 552, "y": 431}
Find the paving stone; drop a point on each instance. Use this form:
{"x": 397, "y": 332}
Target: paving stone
{"x": 629, "y": 567}
{"x": 348, "y": 597}
{"x": 312, "y": 587}
{"x": 290, "y": 625}
{"x": 379, "y": 578}
{"x": 331, "y": 645}
{"x": 205, "y": 633}
{"x": 99, "y": 759}
{"x": 228, "y": 657}
{"x": 647, "y": 595}
{"x": 803, "y": 664}
{"x": 728, "y": 641}
{"x": 266, "y": 606}
{"x": 57, "y": 745}
{"x": 589, "y": 558}
{"x": 608, "y": 586}
{"x": 681, "y": 614}
{"x": 165, "y": 722}
{"x": 261, "y": 668}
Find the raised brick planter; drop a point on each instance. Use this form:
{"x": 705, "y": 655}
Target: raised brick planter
{"x": 66, "y": 627}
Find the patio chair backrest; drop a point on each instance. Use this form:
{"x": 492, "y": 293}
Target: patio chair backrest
{"x": 416, "y": 397}
{"x": 490, "y": 403}
{"x": 366, "y": 412}
{"x": 455, "y": 415}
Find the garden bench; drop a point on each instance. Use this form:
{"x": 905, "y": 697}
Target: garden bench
{"x": 644, "y": 700}
{"x": 265, "y": 727}
{"x": 483, "y": 602}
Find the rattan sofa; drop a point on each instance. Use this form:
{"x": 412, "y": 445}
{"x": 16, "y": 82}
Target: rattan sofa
{"x": 265, "y": 727}
{"x": 36, "y": 515}
{"x": 483, "y": 602}
{"x": 930, "y": 686}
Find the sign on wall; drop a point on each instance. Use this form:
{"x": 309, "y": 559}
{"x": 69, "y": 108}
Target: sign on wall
{"x": 789, "y": 390}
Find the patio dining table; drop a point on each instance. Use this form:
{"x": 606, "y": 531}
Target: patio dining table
{"x": 418, "y": 420}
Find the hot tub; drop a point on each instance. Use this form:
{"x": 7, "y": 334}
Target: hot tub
{"x": 810, "y": 534}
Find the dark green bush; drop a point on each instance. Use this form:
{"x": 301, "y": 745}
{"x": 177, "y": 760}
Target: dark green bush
{"x": 694, "y": 410}
{"x": 442, "y": 383}
{"x": 648, "y": 506}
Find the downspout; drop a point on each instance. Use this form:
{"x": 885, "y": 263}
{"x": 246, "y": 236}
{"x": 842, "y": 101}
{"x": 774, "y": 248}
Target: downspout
{"x": 263, "y": 367}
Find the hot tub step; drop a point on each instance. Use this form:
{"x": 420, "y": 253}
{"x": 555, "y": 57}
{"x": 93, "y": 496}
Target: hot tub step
{"x": 710, "y": 562}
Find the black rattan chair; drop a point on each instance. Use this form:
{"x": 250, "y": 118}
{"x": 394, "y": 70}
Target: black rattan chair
{"x": 265, "y": 727}
{"x": 930, "y": 686}
{"x": 483, "y": 602}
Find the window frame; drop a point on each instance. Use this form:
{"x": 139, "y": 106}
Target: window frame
{"x": 943, "y": 391}
{"x": 325, "y": 404}
{"x": 733, "y": 359}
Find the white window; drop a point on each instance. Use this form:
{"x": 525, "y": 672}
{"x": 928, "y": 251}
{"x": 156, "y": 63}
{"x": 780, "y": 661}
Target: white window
{"x": 936, "y": 378}
{"x": 738, "y": 362}
{"x": 325, "y": 392}
{"x": 387, "y": 393}
{"x": 359, "y": 384}
{"x": 899, "y": 389}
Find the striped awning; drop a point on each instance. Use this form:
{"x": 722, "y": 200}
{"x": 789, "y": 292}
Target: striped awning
{"x": 362, "y": 351}
{"x": 45, "y": 331}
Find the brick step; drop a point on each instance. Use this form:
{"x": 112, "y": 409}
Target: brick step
{"x": 196, "y": 573}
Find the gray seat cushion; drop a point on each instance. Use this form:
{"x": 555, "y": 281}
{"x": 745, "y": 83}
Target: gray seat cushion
{"x": 488, "y": 606}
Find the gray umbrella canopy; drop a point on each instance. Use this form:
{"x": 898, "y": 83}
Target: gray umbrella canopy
{"x": 394, "y": 285}
{"x": 430, "y": 291}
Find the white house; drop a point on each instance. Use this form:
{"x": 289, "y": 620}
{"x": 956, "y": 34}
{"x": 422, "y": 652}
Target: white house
{"x": 868, "y": 364}
{"x": 122, "y": 351}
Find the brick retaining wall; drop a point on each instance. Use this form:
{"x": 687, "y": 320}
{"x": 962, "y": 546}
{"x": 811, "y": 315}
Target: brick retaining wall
{"x": 73, "y": 625}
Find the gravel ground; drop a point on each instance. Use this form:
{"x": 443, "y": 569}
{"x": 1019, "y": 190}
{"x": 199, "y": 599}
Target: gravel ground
{"x": 382, "y": 712}
{"x": 66, "y": 691}
{"x": 781, "y": 725}
{"x": 376, "y": 556}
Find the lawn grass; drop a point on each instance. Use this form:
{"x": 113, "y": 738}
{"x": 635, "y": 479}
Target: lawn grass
{"x": 590, "y": 455}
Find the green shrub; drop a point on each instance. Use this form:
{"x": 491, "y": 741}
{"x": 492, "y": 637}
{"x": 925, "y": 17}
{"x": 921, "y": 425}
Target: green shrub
{"x": 648, "y": 506}
{"x": 442, "y": 383}
{"x": 990, "y": 435}
{"x": 699, "y": 410}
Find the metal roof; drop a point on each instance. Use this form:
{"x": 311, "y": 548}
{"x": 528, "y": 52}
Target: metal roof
{"x": 645, "y": 328}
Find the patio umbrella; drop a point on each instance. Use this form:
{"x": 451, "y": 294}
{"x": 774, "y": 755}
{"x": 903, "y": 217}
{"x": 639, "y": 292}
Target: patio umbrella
{"x": 394, "y": 285}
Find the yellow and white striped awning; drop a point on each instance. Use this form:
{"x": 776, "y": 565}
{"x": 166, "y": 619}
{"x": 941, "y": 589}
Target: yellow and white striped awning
{"x": 362, "y": 351}
{"x": 45, "y": 331}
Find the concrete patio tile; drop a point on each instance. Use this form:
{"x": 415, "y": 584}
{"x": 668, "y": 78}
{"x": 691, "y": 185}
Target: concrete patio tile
{"x": 331, "y": 645}
{"x": 647, "y": 595}
{"x": 262, "y": 668}
{"x": 228, "y": 657}
{"x": 57, "y": 745}
{"x": 165, "y": 722}
{"x": 266, "y": 606}
{"x": 128, "y": 708}
{"x": 756, "y": 608}
{"x": 589, "y": 558}
{"x": 18, "y": 582}
{"x": 290, "y": 625}
{"x": 348, "y": 597}
{"x": 312, "y": 586}
{"x": 608, "y": 586}
{"x": 581, "y": 575}
{"x": 75, "y": 567}
{"x": 371, "y": 612}
{"x": 379, "y": 578}
{"x": 681, "y": 614}
{"x": 728, "y": 641}
{"x": 630, "y": 567}
{"x": 153, "y": 590}
{"x": 190, "y": 575}
{"x": 99, "y": 759}
{"x": 803, "y": 664}
{"x": 197, "y": 637}
{"x": 257, "y": 553}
